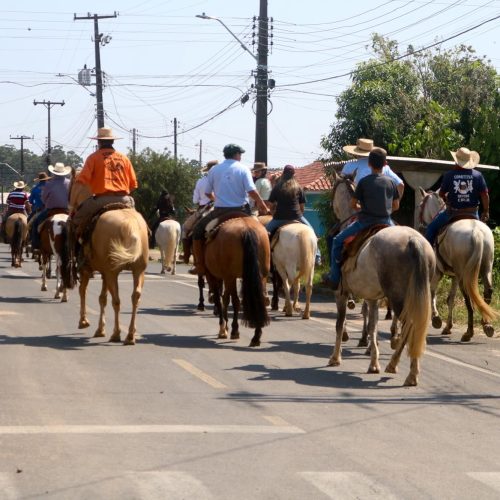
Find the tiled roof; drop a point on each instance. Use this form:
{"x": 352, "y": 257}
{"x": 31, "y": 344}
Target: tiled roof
{"x": 312, "y": 177}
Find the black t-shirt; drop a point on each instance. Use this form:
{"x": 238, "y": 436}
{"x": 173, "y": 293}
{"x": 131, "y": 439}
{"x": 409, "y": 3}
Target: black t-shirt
{"x": 287, "y": 206}
{"x": 375, "y": 194}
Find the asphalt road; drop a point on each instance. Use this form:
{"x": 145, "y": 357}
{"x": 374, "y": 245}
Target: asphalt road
{"x": 182, "y": 415}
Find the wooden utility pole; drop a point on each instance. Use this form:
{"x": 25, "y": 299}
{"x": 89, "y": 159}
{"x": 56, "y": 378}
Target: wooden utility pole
{"x": 98, "y": 39}
{"x": 134, "y": 139}
{"x": 22, "y": 138}
{"x": 175, "y": 139}
{"x": 200, "y": 153}
{"x": 48, "y": 105}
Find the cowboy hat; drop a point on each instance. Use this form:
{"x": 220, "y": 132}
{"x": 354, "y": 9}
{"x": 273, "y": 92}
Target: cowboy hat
{"x": 209, "y": 165}
{"x": 59, "y": 169}
{"x": 42, "y": 176}
{"x": 362, "y": 147}
{"x": 19, "y": 185}
{"x": 105, "y": 134}
{"x": 258, "y": 166}
{"x": 465, "y": 157}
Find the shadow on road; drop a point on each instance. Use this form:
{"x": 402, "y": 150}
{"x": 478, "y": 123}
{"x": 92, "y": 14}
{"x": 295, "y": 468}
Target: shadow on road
{"x": 22, "y": 300}
{"x": 62, "y": 342}
{"x": 169, "y": 310}
{"x": 180, "y": 341}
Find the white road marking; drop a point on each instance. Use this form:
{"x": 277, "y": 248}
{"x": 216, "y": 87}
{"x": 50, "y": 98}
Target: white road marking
{"x": 452, "y": 361}
{"x": 491, "y": 479}
{"x": 148, "y": 429}
{"x": 9, "y": 313}
{"x": 16, "y": 272}
{"x": 7, "y": 489}
{"x": 199, "y": 374}
{"x": 347, "y": 485}
{"x": 183, "y": 283}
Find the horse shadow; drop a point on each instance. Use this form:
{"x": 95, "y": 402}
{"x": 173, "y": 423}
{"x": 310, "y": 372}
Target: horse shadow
{"x": 66, "y": 342}
{"x": 179, "y": 341}
{"x": 21, "y": 300}
{"x": 170, "y": 310}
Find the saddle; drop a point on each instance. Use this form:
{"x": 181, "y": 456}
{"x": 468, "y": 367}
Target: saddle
{"x": 167, "y": 217}
{"x": 275, "y": 235}
{"x": 354, "y": 244}
{"x": 51, "y": 213}
{"x": 88, "y": 228}
{"x": 213, "y": 226}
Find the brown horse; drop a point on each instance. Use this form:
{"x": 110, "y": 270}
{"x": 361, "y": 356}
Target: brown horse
{"x": 240, "y": 249}
{"x": 119, "y": 242}
{"x": 16, "y": 229}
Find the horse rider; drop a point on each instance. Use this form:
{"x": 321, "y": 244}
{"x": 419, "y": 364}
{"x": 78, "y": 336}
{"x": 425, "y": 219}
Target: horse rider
{"x": 55, "y": 195}
{"x": 462, "y": 189}
{"x": 17, "y": 203}
{"x": 262, "y": 184}
{"x": 200, "y": 198}
{"x": 377, "y": 197}
{"x": 110, "y": 177}
{"x": 35, "y": 197}
{"x": 287, "y": 202}
{"x": 165, "y": 209}
{"x": 232, "y": 184}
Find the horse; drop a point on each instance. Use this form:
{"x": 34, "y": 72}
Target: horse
{"x": 293, "y": 257}
{"x": 239, "y": 249}
{"x": 342, "y": 192}
{"x": 52, "y": 242}
{"x": 168, "y": 236}
{"x": 465, "y": 252}
{"x": 118, "y": 242}
{"x": 16, "y": 229}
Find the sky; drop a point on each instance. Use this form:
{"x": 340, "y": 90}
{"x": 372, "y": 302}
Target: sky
{"x": 162, "y": 62}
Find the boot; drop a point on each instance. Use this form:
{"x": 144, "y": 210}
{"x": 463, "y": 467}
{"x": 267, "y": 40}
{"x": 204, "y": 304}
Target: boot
{"x": 199, "y": 257}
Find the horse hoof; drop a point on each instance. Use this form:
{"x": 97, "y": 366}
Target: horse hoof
{"x": 373, "y": 369}
{"x": 162, "y": 271}
{"x": 351, "y": 304}
{"x": 411, "y": 381}
{"x": 235, "y": 336}
{"x": 254, "y": 343}
{"x": 363, "y": 343}
{"x": 391, "y": 368}
{"x": 210, "y": 298}
{"x": 114, "y": 338}
{"x": 394, "y": 343}
{"x": 222, "y": 336}
{"x": 333, "y": 362}
{"x": 437, "y": 322}
{"x": 446, "y": 331}
{"x": 388, "y": 316}
{"x": 306, "y": 316}
{"x": 488, "y": 330}
{"x": 64, "y": 299}
{"x": 128, "y": 341}
{"x": 200, "y": 307}
{"x": 44, "y": 288}
{"x": 83, "y": 323}
{"x": 466, "y": 337}
{"x": 345, "y": 336}
{"x": 99, "y": 333}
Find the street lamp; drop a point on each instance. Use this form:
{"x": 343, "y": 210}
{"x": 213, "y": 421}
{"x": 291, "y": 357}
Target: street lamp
{"x": 261, "y": 80}
{"x": 1, "y": 176}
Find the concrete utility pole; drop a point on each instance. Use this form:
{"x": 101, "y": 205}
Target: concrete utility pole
{"x": 22, "y": 138}
{"x": 134, "y": 139}
{"x": 48, "y": 105}
{"x": 98, "y": 39}
{"x": 201, "y": 143}
{"x": 175, "y": 139}
{"x": 261, "y": 86}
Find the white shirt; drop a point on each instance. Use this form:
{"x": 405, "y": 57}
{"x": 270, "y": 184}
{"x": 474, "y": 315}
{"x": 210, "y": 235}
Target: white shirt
{"x": 263, "y": 187}
{"x": 200, "y": 189}
{"x": 362, "y": 170}
{"x": 230, "y": 182}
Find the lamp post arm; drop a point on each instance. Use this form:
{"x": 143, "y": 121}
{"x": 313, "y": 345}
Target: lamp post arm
{"x": 12, "y": 168}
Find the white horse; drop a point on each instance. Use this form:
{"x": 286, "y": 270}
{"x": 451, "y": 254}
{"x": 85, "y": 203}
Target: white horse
{"x": 465, "y": 252}
{"x": 168, "y": 237}
{"x": 293, "y": 257}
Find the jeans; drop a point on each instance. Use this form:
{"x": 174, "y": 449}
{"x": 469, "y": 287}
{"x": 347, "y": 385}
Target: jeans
{"x": 441, "y": 219}
{"x": 338, "y": 243}
{"x": 35, "y": 235}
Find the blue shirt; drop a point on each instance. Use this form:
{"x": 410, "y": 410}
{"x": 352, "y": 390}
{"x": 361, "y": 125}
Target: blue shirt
{"x": 55, "y": 192}
{"x": 362, "y": 170}
{"x": 36, "y": 196}
{"x": 463, "y": 187}
{"x": 230, "y": 182}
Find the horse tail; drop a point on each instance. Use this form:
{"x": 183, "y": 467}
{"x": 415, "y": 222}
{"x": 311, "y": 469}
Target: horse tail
{"x": 470, "y": 275}
{"x": 68, "y": 270}
{"x": 128, "y": 248}
{"x": 254, "y": 306}
{"x": 416, "y": 313}
{"x": 17, "y": 237}
{"x": 307, "y": 253}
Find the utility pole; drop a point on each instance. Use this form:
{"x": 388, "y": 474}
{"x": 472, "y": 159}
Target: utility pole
{"x": 134, "y": 139}
{"x": 98, "y": 38}
{"x": 22, "y": 138}
{"x": 48, "y": 105}
{"x": 175, "y": 139}
{"x": 261, "y": 86}
{"x": 200, "y": 152}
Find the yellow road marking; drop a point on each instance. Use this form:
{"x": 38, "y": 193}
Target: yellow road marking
{"x": 9, "y": 313}
{"x": 199, "y": 374}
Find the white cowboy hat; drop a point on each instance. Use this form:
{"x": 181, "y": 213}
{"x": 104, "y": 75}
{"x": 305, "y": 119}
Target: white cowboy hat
{"x": 105, "y": 134}
{"x": 362, "y": 147}
{"x": 59, "y": 169}
{"x": 209, "y": 165}
{"x": 19, "y": 184}
{"x": 465, "y": 157}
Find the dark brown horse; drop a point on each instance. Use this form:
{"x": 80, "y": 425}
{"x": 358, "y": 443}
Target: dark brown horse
{"x": 16, "y": 229}
{"x": 240, "y": 249}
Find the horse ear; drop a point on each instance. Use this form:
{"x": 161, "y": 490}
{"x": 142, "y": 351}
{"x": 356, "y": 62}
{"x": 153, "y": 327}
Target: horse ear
{"x": 422, "y": 191}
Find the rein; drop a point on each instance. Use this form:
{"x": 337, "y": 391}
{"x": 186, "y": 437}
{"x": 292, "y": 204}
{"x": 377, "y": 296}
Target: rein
{"x": 349, "y": 183}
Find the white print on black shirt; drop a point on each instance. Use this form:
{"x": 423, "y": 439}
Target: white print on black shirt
{"x": 462, "y": 189}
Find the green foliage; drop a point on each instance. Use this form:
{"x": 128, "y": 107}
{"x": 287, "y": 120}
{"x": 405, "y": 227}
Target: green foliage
{"x": 496, "y": 262}
{"x": 157, "y": 171}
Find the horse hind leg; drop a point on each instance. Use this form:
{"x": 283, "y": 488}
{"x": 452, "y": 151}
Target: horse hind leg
{"x": 467, "y": 336}
{"x": 223, "y": 317}
{"x": 82, "y": 290}
{"x": 235, "y": 330}
{"x": 136, "y": 296}
{"x": 112, "y": 286}
{"x": 201, "y": 298}
{"x": 374, "y": 366}
{"x": 488, "y": 328}
{"x": 363, "y": 341}
{"x": 450, "y": 302}
{"x": 101, "y": 327}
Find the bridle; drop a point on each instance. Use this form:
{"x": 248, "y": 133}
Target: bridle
{"x": 421, "y": 223}
{"x": 349, "y": 183}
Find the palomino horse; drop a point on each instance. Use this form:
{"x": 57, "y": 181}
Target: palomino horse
{"x": 16, "y": 229}
{"x": 465, "y": 252}
{"x": 239, "y": 249}
{"x": 168, "y": 237}
{"x": 293, "y": 258}
{"x": 119, "y": 242}
{"x": 53, "y": 242}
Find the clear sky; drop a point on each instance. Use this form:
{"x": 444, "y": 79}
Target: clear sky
{"x": 162, "y": 62}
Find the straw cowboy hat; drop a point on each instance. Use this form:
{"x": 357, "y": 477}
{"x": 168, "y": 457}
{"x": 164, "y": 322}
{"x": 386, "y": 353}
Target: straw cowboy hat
{"x": 362, "y": 147}
{"x": 259, "y": 166}
{"x": 465, "y": 157}
{"x": 209, "y": 165}
{"x": 19, "y": 185}
{"x": 59, "y": 169}
{"x": 105, "y": 134}
{"x": 42, "y": 176}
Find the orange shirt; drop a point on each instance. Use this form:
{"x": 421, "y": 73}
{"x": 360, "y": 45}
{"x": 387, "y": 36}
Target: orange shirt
{"x": 108, "y": 171}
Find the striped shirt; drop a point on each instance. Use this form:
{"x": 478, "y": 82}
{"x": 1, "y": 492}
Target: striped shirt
{"x": 16, "y": 201}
